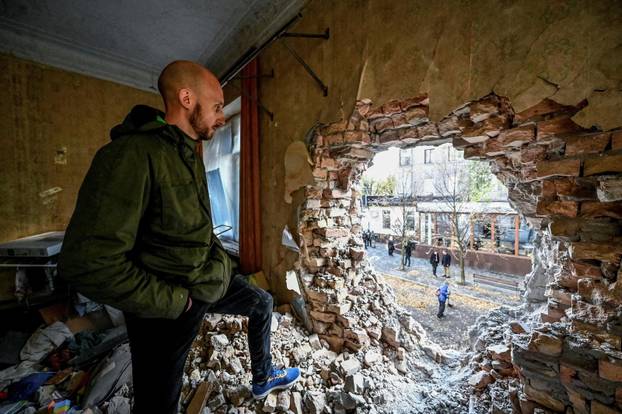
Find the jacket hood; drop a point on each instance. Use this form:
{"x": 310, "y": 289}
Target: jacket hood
{"x": 141, "y": 118}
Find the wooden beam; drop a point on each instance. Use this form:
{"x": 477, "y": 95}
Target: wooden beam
{"x": 471, "y": 232}
{"x": 516, "y": 234}
{"x": 250, "y": 173}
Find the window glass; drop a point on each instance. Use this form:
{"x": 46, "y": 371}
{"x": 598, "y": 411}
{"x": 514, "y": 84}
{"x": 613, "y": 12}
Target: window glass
{"x": 386, "y": 219}
{"x": 221, "y": 156}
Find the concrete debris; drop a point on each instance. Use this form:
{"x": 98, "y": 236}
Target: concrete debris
{"x": 365, "y": 375}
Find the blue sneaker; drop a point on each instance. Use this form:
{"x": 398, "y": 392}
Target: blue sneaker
{"x": 278, "y": 379}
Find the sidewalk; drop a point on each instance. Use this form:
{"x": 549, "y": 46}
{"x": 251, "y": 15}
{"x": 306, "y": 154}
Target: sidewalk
{"x": 420, "y": 271}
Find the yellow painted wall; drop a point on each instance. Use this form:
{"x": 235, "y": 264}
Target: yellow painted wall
{"x": 453, "y": 50}
{"x": 46, "y": 112}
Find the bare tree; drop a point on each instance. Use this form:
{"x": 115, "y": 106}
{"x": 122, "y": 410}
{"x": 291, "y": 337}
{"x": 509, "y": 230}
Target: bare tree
{"x": 404, "y": 226}
{"x": 452, "y": 185}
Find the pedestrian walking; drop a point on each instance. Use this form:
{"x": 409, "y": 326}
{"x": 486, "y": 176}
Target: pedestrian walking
{"x": 446, "y": 262}
{"x": 443, "y": 296}
{"x": 434, "y": 260}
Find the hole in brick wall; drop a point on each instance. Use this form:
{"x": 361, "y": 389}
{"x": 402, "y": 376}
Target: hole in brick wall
{"x": 566, "y": 183}
{"x": 429, "y": 216}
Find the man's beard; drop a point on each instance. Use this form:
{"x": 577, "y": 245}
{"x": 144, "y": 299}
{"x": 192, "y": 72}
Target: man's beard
{"x": 204, "y": 133}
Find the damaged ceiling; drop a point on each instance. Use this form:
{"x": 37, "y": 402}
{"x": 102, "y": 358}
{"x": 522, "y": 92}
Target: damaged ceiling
{"x": 130, "y": 42}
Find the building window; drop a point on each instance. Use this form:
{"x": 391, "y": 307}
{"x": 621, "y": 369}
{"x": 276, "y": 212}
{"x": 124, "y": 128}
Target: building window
{"x": 386, "y": 219}
{"x": 405, "y": 158}
{"x": 427, "y": 156}
{"x": 451, "y": 153}
{"x": 221, "y": 156}
{"x": 410, "y": 220}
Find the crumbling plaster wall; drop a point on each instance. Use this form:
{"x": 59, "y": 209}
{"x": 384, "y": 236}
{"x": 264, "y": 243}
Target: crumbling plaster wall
{"x": 53, "y": 122}
{"x": 453, "y": 51}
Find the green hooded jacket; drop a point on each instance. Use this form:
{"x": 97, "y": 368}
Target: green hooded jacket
{"x": 140, "y": 238}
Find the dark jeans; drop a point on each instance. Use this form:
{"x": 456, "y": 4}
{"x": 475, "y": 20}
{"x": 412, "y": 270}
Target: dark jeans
{"x": 441, "y": 308}
{"x": 407, "y": 260}
{"x": 434, "y": 265}
{"x": 160, "y": 346}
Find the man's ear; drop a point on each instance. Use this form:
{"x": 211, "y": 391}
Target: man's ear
{"x": 185, "y": 98}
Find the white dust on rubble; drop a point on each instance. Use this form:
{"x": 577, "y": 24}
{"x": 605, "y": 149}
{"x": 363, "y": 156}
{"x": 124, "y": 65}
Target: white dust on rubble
{"x": 399, "y": 371}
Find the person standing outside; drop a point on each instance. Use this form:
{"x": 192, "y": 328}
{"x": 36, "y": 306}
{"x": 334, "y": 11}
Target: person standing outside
{"x": 407, "y": 253}
{"x": 391, "y": 246}
{"x": 434, "y": 260}
{"x": 443, "y": 296}
{"x": 446, "y": 262}
{"x": 141, "y": 239}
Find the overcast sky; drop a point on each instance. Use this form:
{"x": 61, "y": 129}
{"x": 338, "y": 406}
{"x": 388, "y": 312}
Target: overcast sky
{"x": 385, "y": 163}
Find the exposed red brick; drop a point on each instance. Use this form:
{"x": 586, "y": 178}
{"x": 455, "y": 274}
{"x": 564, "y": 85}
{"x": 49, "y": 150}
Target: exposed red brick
{"x": 356, "y": 137}
{"x": 600, "y": 408}
{"x": 391, "y": 107}
{"x": 544, "y": 107}
{"x": 556, "y": 126}
{"x": 610, "y": 369}
{"x": 389, "y": 135}
{"x": 408, "y": 134}
{"x": 415, "y": 115}
{"x": 616, "y": 140}
{"x": 557, "y": 208}
{"x": 565, "y": 167}
{"x": 587, "y": 144}
{"x": 334, "y": 139}
{"x": 517, "y": 136}
{"x": 597, "y": 209}
{"x": 595, "y": 251}
{"x": 408, "y": 103}
{"x": 604, "y": 164}
{"x": 532, "y": 154}
{"x": 474, "y": 151}
{"x": 567, "y": 229}
{"x": 399, "y": 121}
{"x": 380, "y": 124}
{"x": 334, "y": 127}
{"x": 571, "y": 189}
{"x": 428, "y": 130}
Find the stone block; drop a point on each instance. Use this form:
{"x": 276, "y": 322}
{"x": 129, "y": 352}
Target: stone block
{"x": 603, "y": 164}
{"x": 587, "y": 144}
{"x": 499, "y": 352}
{"x": 565, "y": 167}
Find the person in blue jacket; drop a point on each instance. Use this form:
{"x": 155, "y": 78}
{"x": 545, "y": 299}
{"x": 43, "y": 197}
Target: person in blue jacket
{"x": 443, "y": 295}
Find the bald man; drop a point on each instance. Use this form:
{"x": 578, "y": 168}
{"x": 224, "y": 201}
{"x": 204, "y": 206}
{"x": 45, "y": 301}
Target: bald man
{"x": 141, "y": 240}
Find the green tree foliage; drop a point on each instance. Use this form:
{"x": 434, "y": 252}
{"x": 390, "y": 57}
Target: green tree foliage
{"x": 480, "y": 181}
{"x": 379, "y": 187}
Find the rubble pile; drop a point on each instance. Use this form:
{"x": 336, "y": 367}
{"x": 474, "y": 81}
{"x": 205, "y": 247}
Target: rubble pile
{"x": 395, "y": 361}
{"x": 564, "y": 179}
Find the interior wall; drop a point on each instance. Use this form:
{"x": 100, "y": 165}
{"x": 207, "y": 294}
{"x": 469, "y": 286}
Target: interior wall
{"x": 53, "y": 122}
{"x": 454, "y": 51}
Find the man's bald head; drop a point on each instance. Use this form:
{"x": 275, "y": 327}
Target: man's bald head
{"x": 193, "y": 98}
{"x": 184, "y": 74}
